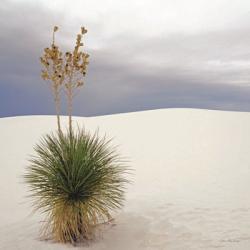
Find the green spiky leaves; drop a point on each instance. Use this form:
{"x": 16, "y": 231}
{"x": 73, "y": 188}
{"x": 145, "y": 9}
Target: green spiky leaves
{"x": 77, "y": 180}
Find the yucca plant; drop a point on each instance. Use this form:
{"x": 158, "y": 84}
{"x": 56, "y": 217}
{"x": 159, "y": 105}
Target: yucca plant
{"x": 76, "y": 179}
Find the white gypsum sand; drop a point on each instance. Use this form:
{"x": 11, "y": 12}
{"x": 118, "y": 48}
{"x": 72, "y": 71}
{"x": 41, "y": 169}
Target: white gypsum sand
{"x": 190, "y": 188}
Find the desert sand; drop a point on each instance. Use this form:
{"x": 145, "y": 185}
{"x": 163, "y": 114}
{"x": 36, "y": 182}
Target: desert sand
{"x": 191, "y": 180}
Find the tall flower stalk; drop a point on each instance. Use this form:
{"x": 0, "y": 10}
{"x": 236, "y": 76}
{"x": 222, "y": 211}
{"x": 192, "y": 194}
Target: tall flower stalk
{"x": 65, "y": 71}
{"x": 53, "y": 72}
{"x": 75, "y": 69}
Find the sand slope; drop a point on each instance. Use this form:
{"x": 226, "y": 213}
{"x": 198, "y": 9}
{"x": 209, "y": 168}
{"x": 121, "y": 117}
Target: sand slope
{"x": 191, "y": 180}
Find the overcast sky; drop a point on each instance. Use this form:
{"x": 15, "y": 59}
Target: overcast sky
{"x": 145, "y": 54}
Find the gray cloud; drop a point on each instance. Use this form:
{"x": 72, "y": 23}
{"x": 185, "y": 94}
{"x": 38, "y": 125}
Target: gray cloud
{"x": 129, "y": 72}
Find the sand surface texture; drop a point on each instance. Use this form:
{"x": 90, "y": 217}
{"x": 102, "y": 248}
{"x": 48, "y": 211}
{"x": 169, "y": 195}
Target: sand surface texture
{"x": 191, "y": 181}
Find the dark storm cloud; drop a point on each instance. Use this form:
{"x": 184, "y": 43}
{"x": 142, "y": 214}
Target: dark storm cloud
{"x": 128, "y": 73}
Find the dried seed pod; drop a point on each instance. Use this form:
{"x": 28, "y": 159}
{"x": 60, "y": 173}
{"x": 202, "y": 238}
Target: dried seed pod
{"x": 83, "y": 30}
{"x": 79, "y": 83}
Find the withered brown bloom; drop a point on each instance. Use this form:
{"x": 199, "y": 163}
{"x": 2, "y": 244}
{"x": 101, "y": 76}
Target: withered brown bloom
{"x": 64, "y": 71}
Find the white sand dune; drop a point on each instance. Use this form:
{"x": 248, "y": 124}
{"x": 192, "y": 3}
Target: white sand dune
{"x": 191, "y": 180}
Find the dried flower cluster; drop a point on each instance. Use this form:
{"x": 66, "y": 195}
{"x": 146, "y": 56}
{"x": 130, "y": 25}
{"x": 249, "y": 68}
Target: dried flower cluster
{"x": 64, "y": 71}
